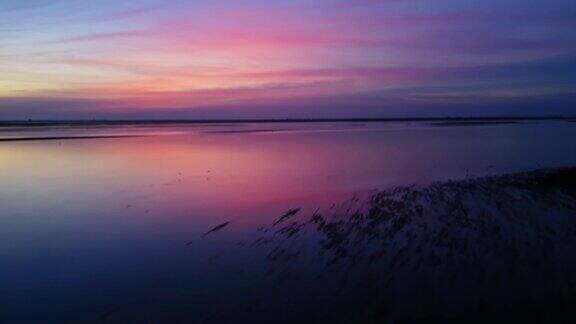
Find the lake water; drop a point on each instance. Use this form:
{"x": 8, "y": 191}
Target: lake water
{"x": 105, "y": 229}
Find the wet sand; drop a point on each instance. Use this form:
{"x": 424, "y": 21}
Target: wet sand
{"x": 63, "y": 138}
{"x": 475, "y": 123}
{"x": 488, "y": 249}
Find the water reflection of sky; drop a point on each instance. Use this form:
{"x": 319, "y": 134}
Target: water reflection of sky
{"x": 88, "y": 224}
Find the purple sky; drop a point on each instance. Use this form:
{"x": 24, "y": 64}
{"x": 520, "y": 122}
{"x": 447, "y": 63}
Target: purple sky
{"x": 78, "y": 59}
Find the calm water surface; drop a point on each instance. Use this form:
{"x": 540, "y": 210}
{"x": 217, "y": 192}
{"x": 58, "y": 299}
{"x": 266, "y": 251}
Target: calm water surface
{"x": 101, "y": 228}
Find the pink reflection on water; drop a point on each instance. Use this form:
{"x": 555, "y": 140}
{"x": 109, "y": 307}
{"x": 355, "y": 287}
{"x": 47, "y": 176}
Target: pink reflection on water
{"x": 203, "y": 177}
{"x": 123, "y": 207}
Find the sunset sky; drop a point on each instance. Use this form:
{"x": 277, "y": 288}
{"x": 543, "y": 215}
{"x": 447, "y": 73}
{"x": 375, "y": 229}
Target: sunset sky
{"x": 77, "y": 59}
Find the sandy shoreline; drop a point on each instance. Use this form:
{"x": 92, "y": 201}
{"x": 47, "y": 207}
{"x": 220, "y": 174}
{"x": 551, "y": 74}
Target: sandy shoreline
{"x": 64, "y": 138}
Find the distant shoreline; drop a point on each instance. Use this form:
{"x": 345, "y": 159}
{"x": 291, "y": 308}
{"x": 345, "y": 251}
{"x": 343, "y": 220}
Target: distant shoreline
{"x": 33, "y": 123}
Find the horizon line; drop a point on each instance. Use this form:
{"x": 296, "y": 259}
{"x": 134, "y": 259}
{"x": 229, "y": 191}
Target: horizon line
{"x": 71, "y": 122}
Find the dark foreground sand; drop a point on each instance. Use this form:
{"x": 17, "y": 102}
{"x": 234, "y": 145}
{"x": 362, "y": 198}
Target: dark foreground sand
{"x": 490, "y": 249}
{"x": 498, "y": 249}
